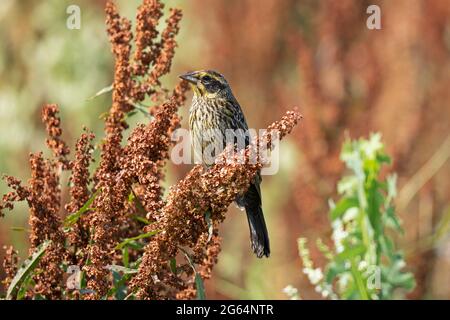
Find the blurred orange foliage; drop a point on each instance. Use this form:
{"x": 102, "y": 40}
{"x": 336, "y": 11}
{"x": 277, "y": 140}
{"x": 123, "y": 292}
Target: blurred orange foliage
{"x": 348, "y": 80}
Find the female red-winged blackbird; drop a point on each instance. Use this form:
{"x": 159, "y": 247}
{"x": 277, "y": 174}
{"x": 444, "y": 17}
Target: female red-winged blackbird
{"x": 215, "y": 110}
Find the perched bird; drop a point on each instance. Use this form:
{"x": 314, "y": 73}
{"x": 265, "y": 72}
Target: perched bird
{"x": 214, "y": 111}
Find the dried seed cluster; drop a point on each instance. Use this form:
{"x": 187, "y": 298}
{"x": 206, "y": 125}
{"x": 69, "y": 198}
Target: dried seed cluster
{"x": 126, "y": 189}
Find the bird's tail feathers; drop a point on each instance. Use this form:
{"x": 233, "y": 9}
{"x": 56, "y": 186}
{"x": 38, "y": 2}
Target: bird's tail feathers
{"x": 258, "y": 233}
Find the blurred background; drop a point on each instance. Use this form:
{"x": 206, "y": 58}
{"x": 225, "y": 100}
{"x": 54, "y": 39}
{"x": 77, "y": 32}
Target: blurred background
{"x": 346, "y": 80}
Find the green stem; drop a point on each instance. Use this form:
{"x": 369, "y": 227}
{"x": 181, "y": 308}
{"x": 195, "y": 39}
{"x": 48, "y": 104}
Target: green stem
{"x": 359, "y": 281}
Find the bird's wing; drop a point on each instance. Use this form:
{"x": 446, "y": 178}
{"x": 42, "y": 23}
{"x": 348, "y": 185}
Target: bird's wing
{"x": 235, "y": 120}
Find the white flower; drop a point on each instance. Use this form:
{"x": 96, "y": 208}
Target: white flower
{"x": 338, "y": 235}
{"x": 314, "y": 275}
{"x": 372, "y": 146}
{"x": 344, "y": 281}
{"x": 350, "y": 214}
{"x": 362, "y": 265}
{"x": 291, "y": 292}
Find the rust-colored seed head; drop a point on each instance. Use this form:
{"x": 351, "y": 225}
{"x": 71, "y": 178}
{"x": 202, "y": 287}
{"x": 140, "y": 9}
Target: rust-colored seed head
{"x": 139, "y": 163}
{"x": 183, "y": 224}
{"x": 127, "y": 182}
{"x": 10, "y": 262}
{"x": 52, "y": 125}
{"x": 79, "y": 192}
{"x": 44, "y": 199}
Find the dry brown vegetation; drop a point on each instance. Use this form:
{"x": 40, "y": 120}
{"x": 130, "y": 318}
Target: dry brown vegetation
{"x": 123, "y": 198}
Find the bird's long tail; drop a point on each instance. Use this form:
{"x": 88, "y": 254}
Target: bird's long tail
{"x": 255, "y": 216}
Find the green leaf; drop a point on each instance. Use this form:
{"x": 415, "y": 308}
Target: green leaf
{"x": 198, "y": 279}
{"x": 119, "y": 290}
{"x": 199, "y": 286}
{"x": 136, "y": 245}
{"x": 374, "y": 201}
{"x": 136, "y": 264}
{"x": 20, "y": 229}
{"x": 103, "y": 116}
{"x": 350, "y": 253}
{"x": 131, "y": 197}
{"x": 71, "y": 219}
{"x": 23, "y": 290}
{"x": 391, "y": 220}
{"x": 141, "y": 236}
{"x": 130, "y": 114}
{"x": 141, "y": 219}
{"x": 141, "y": 108}
{"x": 117, "y": 268}
{"x": 359, "y": 281}
{"x": 102, "y": 91}
{"x": 350, "y": 292}
{"x": 342, "y": 206}
{"x": 394, "y": 275}
{"x": 173, "y": 265}
{"x": 26, "y": 268}
{"x": 125, "y": 257}
{"x": 83, "y": 280}
{"x": 387, "y": 246}
{"x": 405, "y": 280}
{"x": 333, "y": 270}
{"x": 382, "y": 158}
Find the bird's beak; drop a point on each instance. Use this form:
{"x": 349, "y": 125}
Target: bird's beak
{"x": 190, "y": 77}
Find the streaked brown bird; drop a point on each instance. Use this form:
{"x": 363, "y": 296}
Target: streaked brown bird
{"x": 213, "y": 113}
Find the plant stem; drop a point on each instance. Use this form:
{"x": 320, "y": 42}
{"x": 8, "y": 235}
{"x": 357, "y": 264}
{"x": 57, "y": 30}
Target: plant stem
{"x": 359, "y": 281}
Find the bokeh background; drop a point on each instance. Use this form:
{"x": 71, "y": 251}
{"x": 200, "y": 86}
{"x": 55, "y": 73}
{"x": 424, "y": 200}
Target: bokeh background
{"x": 347, "y": 80}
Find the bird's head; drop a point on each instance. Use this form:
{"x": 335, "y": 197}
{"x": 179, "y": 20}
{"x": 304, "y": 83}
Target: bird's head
{"x": 208, "y": 84}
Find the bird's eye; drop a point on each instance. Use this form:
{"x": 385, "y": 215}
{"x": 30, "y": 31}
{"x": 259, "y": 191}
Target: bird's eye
{"x": 206, "y": 78}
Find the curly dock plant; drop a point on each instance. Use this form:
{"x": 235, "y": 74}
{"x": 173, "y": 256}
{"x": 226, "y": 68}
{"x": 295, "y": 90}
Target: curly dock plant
{"x": 120, "y": 238}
